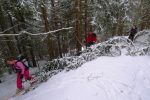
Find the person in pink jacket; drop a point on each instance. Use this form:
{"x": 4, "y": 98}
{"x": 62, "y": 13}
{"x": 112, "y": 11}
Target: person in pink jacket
{"x": 21, "y": 69}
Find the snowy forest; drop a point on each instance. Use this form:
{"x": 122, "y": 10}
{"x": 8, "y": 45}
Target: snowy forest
{"x": 55, "y": 31}
{"x": 49, "y": 29}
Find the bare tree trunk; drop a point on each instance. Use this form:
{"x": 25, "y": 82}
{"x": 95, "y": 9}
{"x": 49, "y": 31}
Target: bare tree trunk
{"x": 46, "y": 24}
{"x": 85, "y": 19}
{"x": 4, "y": 25}
{"x": 55, "y": 26}
{"x": 78, "y": 24}
{"x": 14, "y": 31}
{"x": 59, "y": 45}
{"x": 119, "y": 28}
{"x": 145, "y": 20}
{"x": 32, "y": 57}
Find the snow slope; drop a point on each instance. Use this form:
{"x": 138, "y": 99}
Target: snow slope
{"x": 105, "y": 78}
{"x": 8, "y": 86}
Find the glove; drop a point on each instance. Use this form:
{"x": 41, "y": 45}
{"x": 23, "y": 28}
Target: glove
{"x": 21, "y": 76}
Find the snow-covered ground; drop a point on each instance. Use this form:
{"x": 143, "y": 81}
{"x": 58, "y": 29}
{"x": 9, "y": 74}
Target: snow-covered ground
{"x": 105, "y": 78}
{"x": 8, "y": 86}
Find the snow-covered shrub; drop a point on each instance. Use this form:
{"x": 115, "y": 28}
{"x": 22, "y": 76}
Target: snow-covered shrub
{"x": 108, "y": 48}
{"x": 122, "y": 43}
{"x": 142, "y": 43}
{"x": 73, "y": 62}
{"x": 141, "y": 51}
{"x": 142, "y": 38}
{"x": 112, "y": 47}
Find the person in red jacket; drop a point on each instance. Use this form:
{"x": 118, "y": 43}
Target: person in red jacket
{"x": 21, "y": 70}
{"x": 91, "y": 39}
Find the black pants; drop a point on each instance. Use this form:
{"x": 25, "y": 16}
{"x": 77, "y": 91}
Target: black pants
{"x": 131, "y": 37}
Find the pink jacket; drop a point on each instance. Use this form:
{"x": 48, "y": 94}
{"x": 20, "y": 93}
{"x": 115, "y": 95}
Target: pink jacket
{"x": 21, "y": 66}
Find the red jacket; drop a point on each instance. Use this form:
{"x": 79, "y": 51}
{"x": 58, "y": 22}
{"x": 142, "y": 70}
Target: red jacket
{"x": 91, "y": 38}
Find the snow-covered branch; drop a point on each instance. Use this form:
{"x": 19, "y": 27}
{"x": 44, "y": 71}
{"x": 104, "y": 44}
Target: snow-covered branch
{"x": 10, "y": 28}
{"x": 25, "y": 32}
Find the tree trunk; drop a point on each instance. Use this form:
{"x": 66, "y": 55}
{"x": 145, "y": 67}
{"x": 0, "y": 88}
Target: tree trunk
{"x": 78, "y": 25}
{"x": 145, "y": 19}
{"x": 14, "y": 31}
{"x": 4, "y": 25}
{"x": 54, "y": 23}
{"x": 46, "y": 24}
{"x": 32, "y": 57}
{"x": 59, "y": 45}
{"x": 85, "y": 20}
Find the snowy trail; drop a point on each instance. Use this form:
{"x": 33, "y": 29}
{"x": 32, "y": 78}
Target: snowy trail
{"x": 8, "y": 86}
{"x": 105, "y": 78}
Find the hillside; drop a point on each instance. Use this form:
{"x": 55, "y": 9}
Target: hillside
{"x": 105, "y": 78}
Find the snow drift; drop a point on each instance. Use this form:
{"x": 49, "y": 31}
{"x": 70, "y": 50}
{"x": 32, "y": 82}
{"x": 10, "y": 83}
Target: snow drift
{"x": 105, "y": 78}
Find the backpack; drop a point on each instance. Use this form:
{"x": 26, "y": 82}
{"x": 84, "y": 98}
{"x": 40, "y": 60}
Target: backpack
{"x": 94, "y": 35}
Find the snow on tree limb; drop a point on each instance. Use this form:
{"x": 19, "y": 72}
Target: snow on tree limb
{"x": 25, "y": 32}
{"x": 9, "y": 28}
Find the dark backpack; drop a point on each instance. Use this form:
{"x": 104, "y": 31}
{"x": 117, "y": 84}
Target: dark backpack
{"x": 94, "y": 35}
